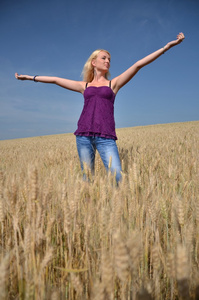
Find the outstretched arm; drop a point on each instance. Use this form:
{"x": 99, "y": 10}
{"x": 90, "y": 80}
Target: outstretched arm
{"x": 122, "y": 79}
{"x": 77, "y": 86}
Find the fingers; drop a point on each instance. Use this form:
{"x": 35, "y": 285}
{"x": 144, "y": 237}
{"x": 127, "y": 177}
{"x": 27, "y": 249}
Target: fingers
{"x": 19, "y": 77}
{"x": 180, "y": 36}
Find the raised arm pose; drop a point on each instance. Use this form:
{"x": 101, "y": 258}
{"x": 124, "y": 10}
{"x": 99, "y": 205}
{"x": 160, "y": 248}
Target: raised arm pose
{"x": 96, "y": 125}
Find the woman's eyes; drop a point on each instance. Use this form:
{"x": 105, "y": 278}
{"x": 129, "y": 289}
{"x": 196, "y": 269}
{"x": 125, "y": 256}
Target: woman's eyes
{"x": 105, "y": 58}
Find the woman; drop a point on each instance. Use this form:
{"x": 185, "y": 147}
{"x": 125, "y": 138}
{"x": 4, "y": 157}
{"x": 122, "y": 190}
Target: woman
{"x": 96, "y": 126}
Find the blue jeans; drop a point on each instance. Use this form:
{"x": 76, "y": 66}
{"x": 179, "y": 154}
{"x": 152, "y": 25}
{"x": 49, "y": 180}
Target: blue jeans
{"x": 107, "y": 148}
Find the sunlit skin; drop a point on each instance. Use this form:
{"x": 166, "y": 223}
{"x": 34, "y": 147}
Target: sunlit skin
{"x": 101, "y": 66}
{"x": 102, "y": 63}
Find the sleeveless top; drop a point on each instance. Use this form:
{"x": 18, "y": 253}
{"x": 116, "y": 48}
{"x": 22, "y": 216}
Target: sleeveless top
{"x": 97, "y": 117}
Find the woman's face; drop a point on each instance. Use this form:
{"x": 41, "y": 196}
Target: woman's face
{"x": 102, "y": 61}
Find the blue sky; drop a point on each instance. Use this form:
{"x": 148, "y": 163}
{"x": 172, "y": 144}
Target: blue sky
{"x": 55, "y": 38}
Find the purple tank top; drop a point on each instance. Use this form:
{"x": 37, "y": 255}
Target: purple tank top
{"x": 97, "y": 117}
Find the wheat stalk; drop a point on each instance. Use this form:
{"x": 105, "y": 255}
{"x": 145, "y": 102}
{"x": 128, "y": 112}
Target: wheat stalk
{"x": 135, "y": 240}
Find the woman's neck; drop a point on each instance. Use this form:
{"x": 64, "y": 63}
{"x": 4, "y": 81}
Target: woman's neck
{"x": 99, "y": 79}
{"x": 99, "y": 76}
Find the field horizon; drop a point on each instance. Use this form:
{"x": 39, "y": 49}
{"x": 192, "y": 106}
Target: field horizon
{"x": 117, "y": 129}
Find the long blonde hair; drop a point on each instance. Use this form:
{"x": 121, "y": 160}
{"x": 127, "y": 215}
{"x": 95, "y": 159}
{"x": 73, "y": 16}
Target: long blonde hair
{"x": 88, "y": 70}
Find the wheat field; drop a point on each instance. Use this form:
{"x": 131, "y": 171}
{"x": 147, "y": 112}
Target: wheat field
{"x": 64, "y": 238}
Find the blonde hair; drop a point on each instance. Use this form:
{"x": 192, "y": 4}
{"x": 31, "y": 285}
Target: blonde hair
{"x": 88, "y": 70}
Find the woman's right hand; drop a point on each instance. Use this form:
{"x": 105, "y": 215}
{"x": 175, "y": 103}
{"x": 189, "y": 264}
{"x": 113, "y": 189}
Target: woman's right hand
{"x": 23, "y": 77}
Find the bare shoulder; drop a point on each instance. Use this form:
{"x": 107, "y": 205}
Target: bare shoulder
{"x": 79, "y": 86}
{"x": 114, "y": 85}
{"x": 73, "y": 85}
{"x": 83, "y": 86}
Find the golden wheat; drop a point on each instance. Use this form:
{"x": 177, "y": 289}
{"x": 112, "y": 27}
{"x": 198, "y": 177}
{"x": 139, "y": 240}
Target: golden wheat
{"x": 65, "y": 238}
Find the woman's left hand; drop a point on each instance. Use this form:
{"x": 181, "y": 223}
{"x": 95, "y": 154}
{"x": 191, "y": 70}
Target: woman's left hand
{"x": 180, "y": 37}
